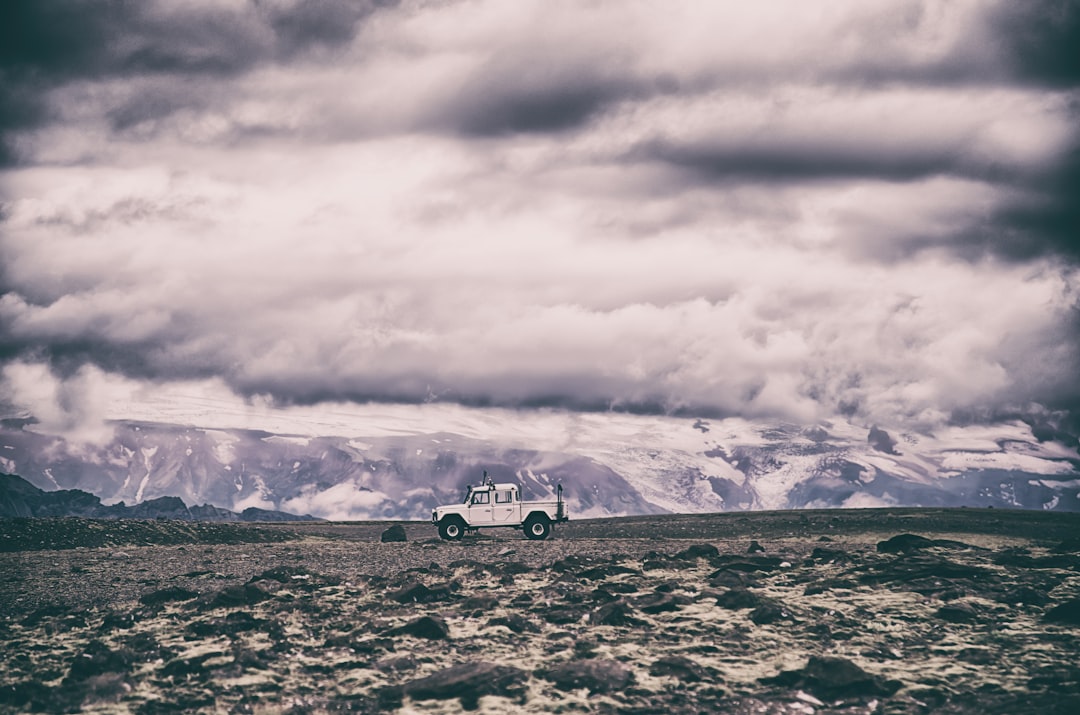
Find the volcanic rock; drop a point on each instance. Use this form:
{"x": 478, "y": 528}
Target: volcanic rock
{"x": 599, "y": 675}
{"x": 904, "y": 543}
{"x": 616, "y": 613}
{"x": 737, "y": 598}
{"x": 395, "y": 533}
{"x": 680, "y": 667}
{"x": 468, "y": 682}
{"x": 430, "y": 627}
{"x": 416, "y": 592}
{"x": 832, "y": 677}
{"x": 1068, "y": 612}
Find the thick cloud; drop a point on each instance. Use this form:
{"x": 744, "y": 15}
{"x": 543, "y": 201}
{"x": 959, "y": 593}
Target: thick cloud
{"x": 710, "y": 209}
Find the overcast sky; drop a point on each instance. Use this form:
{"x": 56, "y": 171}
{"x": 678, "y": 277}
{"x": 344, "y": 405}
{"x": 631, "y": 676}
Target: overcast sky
{"x": 794, "y": 210}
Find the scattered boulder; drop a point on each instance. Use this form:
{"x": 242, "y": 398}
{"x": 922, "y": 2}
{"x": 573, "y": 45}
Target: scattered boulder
{"x": 657, "y": 602}
{"x": 1025, "y": 596}
{"x": 395, "y": 533}
{"x": 98, "y": 659}
{"x": 738, "y": 598}
{"x": 831, "y": 677}
{"x": 745, "y": 564}
{"x": 429, "y": 627}
{"x": 957, "y": 612}
{"x": 516, "y": 623}
{"x": 1070, "y": 545}
{"x": 698, "y": 551}
{"x": 616, "y": 613}
{"x": 416, "y": 592}
{"x": 604, "y": 571}
{"x": 1068, "y": 613}
{"x": 598, "y": 675}
{"x": 681, "y": 667}
{"x": 755, "y": 548}
{"x": 233, "y": 596}
{"x": 468, "y": 682}
{"x": 769, "y": 612}
{"x": 235, "y": 622}
{"x": 903, "y": 544}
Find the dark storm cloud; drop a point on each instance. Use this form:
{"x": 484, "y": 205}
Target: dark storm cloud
{"x": 47, "y": 43}
{"x": 1042, "y": 37}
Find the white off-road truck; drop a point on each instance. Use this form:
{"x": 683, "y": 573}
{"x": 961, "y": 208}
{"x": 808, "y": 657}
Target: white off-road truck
{"x": 493, "y": 505}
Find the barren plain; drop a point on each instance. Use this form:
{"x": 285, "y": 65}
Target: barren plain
{"x": 862, "y": 611}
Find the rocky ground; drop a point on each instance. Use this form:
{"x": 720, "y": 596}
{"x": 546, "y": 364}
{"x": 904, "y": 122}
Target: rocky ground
{"x": 872, "y": 611}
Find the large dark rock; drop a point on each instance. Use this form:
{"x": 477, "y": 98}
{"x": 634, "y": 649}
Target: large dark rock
{"x": 468, "y": 682}
{"x": 235, "y": 596}
{"x": 98, "y": 659}
{"x": 416, "y": 592}
{"x": 738, "y": 598}
{"x": 958, "y": 612}
{"x": 616, "y": 613}
{"x": 395, "y": 533}
{"x": 698, "y": 551}
{"x": 598, "y": 675}
{"x": 904, "y": 543}
{"x": 745, "y": 564}
{"x": 516, "y": 623}
{"x": 831, "y": 677}
{"x": 681, "y": 667}
{"x": 657, "y": 602}
{"x": 1068, "y": 612}
{"x": 429, "y": 627}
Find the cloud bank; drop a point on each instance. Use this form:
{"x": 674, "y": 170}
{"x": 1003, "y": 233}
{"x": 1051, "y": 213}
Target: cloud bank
{"x": 793, "y": 210}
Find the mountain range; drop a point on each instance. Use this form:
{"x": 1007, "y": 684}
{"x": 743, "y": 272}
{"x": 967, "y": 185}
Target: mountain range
{"x": 620, "y": 465}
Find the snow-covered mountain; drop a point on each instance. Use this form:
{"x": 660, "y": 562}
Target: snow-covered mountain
{"x": 608, "y": 465}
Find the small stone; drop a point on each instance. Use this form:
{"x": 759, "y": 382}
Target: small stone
{"x": 506, "y": 552}
{"x": 755, "y": 548}
{"x": 395, "y": 533}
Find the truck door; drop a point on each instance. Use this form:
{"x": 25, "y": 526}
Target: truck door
{"x": 506, "y": 507}
{"x": 480, "y": 507}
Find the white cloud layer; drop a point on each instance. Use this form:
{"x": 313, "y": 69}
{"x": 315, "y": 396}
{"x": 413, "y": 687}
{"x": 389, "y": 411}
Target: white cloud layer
{"x": 782, "y": 209}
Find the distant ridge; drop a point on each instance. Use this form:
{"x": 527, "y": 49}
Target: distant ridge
{"x": 20, "y": 498}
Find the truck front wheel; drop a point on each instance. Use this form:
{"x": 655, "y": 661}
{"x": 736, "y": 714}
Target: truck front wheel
{"x": 451, "y": 529}
{"x": 537, "y": 527}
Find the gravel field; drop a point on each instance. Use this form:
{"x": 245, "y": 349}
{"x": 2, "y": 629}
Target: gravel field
{"x": 873, "y": 611}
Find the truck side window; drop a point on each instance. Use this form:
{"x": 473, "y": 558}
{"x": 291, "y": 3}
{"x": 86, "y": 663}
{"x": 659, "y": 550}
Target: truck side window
{"x": 480, "y": 498}
{"x": 503, "y": 497}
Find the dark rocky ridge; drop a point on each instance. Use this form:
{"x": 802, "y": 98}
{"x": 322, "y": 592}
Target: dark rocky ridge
{"x": 21, "y": 499}
{"x": 976, "y": 614}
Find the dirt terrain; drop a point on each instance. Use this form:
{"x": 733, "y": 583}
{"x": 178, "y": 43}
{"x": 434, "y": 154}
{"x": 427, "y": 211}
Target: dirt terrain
{"x": 868, "y": 611}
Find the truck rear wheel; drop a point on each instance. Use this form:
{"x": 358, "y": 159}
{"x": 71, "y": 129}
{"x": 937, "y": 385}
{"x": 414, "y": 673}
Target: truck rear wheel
{"x": 537, "y": 527}
{"x": 451, "y": 529}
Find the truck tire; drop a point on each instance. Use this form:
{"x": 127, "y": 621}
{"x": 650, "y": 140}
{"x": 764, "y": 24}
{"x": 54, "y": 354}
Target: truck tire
{"x": 536, "y": 527}
{"x": 452, "y": 528}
